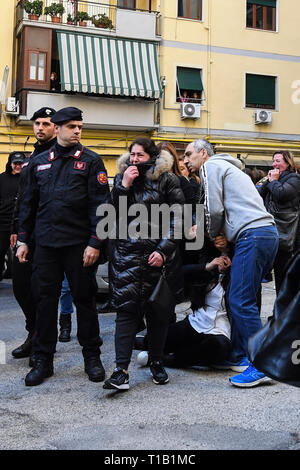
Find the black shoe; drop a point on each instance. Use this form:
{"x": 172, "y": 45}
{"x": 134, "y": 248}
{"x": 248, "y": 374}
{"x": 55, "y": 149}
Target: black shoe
{"x": 104, "y": 308}
{"x": 159, "y": 375}
{"x": 32, "y": 358}
{"x": 43, "y": 368}
{"x": 119, "y": 380}
{"x": 94, "y": 369}
{"x": 24, "y": 350}
{"x": 65, "y": 328}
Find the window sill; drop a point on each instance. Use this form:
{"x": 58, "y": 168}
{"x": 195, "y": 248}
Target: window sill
{"x": 261, "y": 30}
{"x": 276, "y": 110}
{"x": 190, "y": 19}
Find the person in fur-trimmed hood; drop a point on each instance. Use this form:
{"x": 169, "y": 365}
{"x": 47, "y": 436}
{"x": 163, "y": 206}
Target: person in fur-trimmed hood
{"x": 144, "y": 177}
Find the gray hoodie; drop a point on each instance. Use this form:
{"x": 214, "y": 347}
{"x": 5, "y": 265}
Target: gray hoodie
{"x": 232, "y": 202}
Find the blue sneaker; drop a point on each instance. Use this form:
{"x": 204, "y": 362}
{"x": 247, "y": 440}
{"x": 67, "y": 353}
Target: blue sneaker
{"x": 239, "y": 366}
{"x": 249, "y": 378}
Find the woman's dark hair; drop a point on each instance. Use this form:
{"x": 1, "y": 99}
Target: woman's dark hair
{"x": 172, "y": 150}
{"x": 147, "y": 144}
{"x": 254, "y": 174}
{"x": 288, "y": 158}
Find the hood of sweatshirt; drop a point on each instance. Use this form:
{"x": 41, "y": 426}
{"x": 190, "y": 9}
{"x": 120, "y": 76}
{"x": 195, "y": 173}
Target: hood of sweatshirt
{"x": 228, "y": 158}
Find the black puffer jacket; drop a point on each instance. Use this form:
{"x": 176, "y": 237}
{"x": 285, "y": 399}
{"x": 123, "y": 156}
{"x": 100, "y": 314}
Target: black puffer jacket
{"x": 132, "y": 280}
{"x": 283, "y": 196}
{"x": 285, "y": 192}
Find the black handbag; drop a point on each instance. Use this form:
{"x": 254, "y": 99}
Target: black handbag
{"x": 275, "y": 349}
{"x": 162, "y": 299}
{"x": 287, "y": 224}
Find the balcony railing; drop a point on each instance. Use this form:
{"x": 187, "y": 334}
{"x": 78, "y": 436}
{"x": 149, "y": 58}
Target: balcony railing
{"x": 72, "y": 10}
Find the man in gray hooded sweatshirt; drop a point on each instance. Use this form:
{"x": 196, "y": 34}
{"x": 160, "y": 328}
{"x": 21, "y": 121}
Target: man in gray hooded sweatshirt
{"x": 234, "y": 208}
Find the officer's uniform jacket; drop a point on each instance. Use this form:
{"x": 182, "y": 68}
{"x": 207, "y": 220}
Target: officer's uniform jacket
{"x": 61, "y": 197}
{"x": 38, "y": 148}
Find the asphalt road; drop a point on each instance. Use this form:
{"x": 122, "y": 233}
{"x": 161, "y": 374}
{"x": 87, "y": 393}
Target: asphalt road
{"x": 197, "y": 410}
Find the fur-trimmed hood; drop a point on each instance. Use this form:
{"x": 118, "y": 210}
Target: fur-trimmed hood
{"x": 163, "y": 163}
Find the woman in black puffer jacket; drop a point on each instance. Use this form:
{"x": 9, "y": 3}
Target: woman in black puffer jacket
{"x": 135, "y": 263}
{"x": 281, "y": 194}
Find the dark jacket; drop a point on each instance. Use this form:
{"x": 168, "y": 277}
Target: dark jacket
{"x": 274, "y": 349}
{"x": 132, "y": 280}
{"x": 38, "y": 149}
{"x": 9, "y": 184}
{"x": 63, "y": 190}
{"x": 283, "y": 196}
{"x": 285, "y": 192}
{"x": 191, "y": 197}
{"x": 198, "y": 281}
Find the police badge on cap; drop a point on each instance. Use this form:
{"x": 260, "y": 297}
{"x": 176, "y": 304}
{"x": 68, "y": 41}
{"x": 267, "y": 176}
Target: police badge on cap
{"x": 43, "y": 113}
{"x": 67, "y": 114}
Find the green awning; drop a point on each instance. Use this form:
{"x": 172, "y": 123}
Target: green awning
{"x": 260, "y": 90}
{"x": 189, "y": 79}
{"x": 95, "y": 64}
{"x": 266, "y": 3}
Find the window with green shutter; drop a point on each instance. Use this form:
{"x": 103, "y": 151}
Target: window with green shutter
{"x": 261, "y": 14}
{"x": 260, "y": 91}
{"x": 189, "y": 84}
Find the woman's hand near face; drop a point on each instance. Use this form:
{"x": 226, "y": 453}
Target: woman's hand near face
{"x": 274, "y": 175}
{"x": 129, "y": 176}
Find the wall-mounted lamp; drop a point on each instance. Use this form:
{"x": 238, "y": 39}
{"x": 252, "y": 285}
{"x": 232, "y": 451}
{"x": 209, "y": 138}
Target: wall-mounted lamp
{"x": 163, "y": 81}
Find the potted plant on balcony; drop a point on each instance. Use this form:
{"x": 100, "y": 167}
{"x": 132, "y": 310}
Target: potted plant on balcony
{"x": 55, "y": 10}
{"x": 102, "y": 21}
{"x": 70, "y": 19}
{"x": 82, "y": 18}
{"x": 34, "y": 9}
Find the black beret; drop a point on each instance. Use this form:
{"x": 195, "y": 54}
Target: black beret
{"x": 43, "y": 113}
{"x": 67, "y": 114}
{"x": 17, "y": 157}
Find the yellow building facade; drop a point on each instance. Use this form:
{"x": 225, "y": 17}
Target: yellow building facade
{"x": 244, "y": 53}
{"x": 227, "y": 51}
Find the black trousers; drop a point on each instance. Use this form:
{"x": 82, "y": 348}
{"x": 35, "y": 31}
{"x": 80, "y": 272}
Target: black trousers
{"x": 280, "y": 263}
{"x": 23, "y": 288}
{"x": 128, "y": 325}
{"x": 50, "y": 264}
{"x": 191, "y": 348}
{"x": 4, "y": 245}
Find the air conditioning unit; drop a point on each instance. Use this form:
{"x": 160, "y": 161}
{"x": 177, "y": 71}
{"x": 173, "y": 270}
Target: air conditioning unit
{"x": 12, "y": 105}
{"x": 190, "y": 110}
{"x": 262, "y": 116}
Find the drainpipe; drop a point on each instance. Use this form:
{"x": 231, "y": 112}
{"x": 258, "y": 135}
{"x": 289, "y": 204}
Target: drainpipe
{"x": 209, "y": 67}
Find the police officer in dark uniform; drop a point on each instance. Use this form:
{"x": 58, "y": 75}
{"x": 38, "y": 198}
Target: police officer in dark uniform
{"x": 44, "y": 132}
{"x": 64, "y": 188}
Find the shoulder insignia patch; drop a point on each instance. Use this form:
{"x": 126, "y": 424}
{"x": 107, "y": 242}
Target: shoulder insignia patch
{"x": 102, "y": 177}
